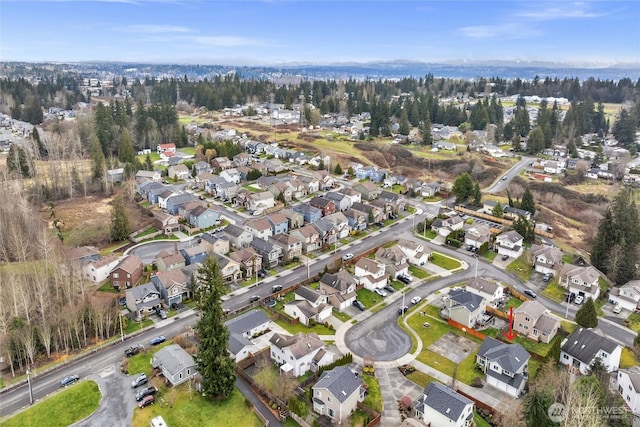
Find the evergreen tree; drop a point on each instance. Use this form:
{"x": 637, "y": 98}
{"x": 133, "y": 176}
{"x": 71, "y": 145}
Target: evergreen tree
{"x": 536, "y": 407}
{"x": 462, "y": 187}
{"x": 477, "y": 195}
{"x": 126, "y": 152}
{"x": 148, "y": 165}
{"x": 527, "y": 203}
{"x": 404, "y": 127}
{"x": 120, "y": 228}
{"x": 507, "y": 133}
{"x": 350, "y": 171}
{"x": 572, "y": 149}
{"x": 535, "y": 142}
{"x": 425, "y": 131}
{"x": 587, "y": 316}
{"x": 42, "y": 150}
{"x": 321, "y": 165}
{"x": 510, "y": 200}
{"x": 624, "y": 129}
{"x": 338, "y": 169}
{"x": 498, "y": 210}
{"x": 281, "y": 198}
{"x": 214, "y": 363}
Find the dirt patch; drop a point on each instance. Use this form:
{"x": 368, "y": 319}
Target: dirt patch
{"x": 453, "y": 347}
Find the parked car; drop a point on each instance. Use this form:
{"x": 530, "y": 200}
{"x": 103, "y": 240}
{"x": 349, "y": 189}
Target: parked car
{"x": 347, "y": 257}
{"x": 546, "y": 277}
{"x": 380, "y": 292}
{"x": 379, "y": 224}
{"x": 570, "y": 297}
{"x": 254, "y": 298}
{"x": 530, "y": 293}
{"x": 140, "y": 380}
{"x": 158, "y": 340}
{"x": 505, "y": 257}
{"x": 389, "y": 289}
{"x": 617, "y": 309}
{"x": 416, "y": 300}
{"x": 276, "y": 288}
{"x": 147, "y": 391}
{"x": 162, "y": 314}
{"x": 262, "y": 273}
{"x": 69, "y": 380}
{"x": 122, "y": 301}
{"x": 579, "y": 299}
{"x": 393, "y": 216}
{"x": 133, "y": 350}
{"x": 504, "y": 178}
{"x": 469, "y": 248}
{"x": 148, "y": 400}
{"x": 358, "y": 304}
{"x": 405, "y": 279}
{"x": 402, "y": 310}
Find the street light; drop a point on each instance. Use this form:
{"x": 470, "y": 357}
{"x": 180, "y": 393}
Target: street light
{"x": 30, "y": 390}
{"x": 121, "y": 331}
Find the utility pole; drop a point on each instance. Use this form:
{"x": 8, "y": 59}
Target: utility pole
{"x": 121, "y": 331}
{"x": 30, "y": 390}
{"x": 308, "y": 272}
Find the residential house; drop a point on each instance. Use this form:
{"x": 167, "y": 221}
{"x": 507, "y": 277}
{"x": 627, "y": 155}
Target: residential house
{"x": 203, "y": 218}
{"x": 396, "y": 200}
{"x": 211, "y": 185}
{"x": 308, "y": 305}
{"x": 237, "y": 236}
{"x": 446, "y": 226}
{"x": 337, "y": 393}
{"x": 417, "y": 253}
{"x": 478, "y": 235}
{"x": 202, "y": 167}
{"x": 533, "y": 320}
{"x": 430, "y": 189}
{"x": 178, "y": 172}
{"x": 371, "y": 274}
{"x": 368, "y": 190}
{"x": 490, "y": 290}
{"x": 327, "y": 230}
{"x": 163, "y": 195}
{"x": 290, "y": 245}
{"x": 143, "y": 300}
{"x": 174, "y": 203}
{"x": 230, "y": 270}
{"x": 98, "y": 270}
{"x": 271, "y": 253}
{"x": 299, "y": 189}
{"x": 353, "y": 195}
{"x": 309, "y": 213}
{"x": 488, "y": 206}
{"x": 115, "y": 176}
{"x": 260, "y": 228}
{"x": 309, "y": 236}
{"x": 194, "y": 254}
{"x": 357, "y": 220}
{"x": 176, "y": 365}
{"x": 340, "y": 222}
{"x": 628, "y": 385}
{"x": 127, "y": 273}
{"x": 513, "y": 213}
{"x": 155, "y": 176}
{"x": 626, "y": 296}
{"x": 249, "y": 259}
{"x": 395, "y": 261}
{"x": 231, "y": 175}
{"x": 505, "y": 365}
{"x": 299, "y": 353}
{"x": 218, "y": 243}
{"x": 364, "y": 172}
{"x": 311, "y": 185}
{"x": 279, "y": 223}
{"x": 546, "y": 259}
{"x": 444, "y": 145}
{"x": 242, "y": 159}
{"x": 439, "y": 405}
{"x": 258, "y": 202}
{"x": 173, "y": 286}
{"x": 580, "y": 280}
{"x": 84, "y": 253}
{"x": 184, "y": 211}
{"x": 580, "y": 349}
{"x": 274, "y": 165}
{"x": 325, "y": 205}
{"x": 254, "y": 147}
{"x": 144, "y": 187}
{"x": 221, "y": 163}
{"x": 166, "y": 148}
{"x": 169, "y": 260}
{"x": 325, "y": 179}
{"x": 227, "y": 191}
{"x": 341, "y": 201}
{"x": 242, "y": 329}
{"x": 282, "y": 188}
{"x": 464, "y": 307}
{"x": 510, "y": 243}
{"x": 340, "y": 288}
{"x": 372, "y": 212}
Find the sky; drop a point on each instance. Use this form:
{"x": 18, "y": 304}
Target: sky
{"x": 277, "y": 32}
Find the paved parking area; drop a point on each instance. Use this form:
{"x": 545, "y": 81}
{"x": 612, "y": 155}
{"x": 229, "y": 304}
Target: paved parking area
{"x": 453, "y": 347}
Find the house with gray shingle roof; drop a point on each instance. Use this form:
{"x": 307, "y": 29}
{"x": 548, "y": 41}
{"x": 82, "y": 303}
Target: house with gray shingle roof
{"x": 242, "y": 329}
{"x": 580, "y": 349}
{"x": 337, "y": 393}
{"x": 533, "y": 320}
{"x": 505, "y": 365}
{"x": 441, "y": 406}
{"x": 299, "y": 353}
{"x": 464, "y": 307}
{"x": 143, "y": 300}
{"x": 340, "y": 287}
{"x": 176, "y": 364}
{"x": 628, "y": 381}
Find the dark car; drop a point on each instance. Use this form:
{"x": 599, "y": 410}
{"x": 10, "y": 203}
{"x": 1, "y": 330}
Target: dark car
{"x": 547, "y": 277}
{"x": 402, "y": 310}
{"x": 254, "y": 298}
{"x": 379, "y": 224}
{"x": 147, "y": 391}
{"x": 505, "y": 257}
{"x": 389, "y": 288}
{"x": 162, "y": 314}
{"x": 69, "y": 380}
{"x": 122, "y": 301}
{"x": 148, "y": 400}
{"x": 158, "y": 340}
{"x": 133, "y": 350}
{"x": 530, "y": 293}
{"x": 140, "y": 380}
{"x": 262, "y": 273}
{"x": 359, "y": 305}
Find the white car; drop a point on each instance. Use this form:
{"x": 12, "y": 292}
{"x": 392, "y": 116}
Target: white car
{"x": 380, "y": 292}
{"x": 415, "y": 300}
{"x": 347, "y": 257}
{"x": 617, "y": 309}
{"x": 579, "y": 299}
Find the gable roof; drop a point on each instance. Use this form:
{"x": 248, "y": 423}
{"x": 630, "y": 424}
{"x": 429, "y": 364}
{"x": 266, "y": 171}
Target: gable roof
{"x": 139, "y": 292}
{"x": 234, "y": 230}
{"x": 369, "y": 265}
{"x": 483, "y": 285}
{"x": 299, "y": 345}
{"x": 535, "y": 309}
{"x": 308, "y": 293}
{"x": 511, "y": 357}
{"x": 340, "y": 381}
{"x": 510, "y": 236}
{"x": 339, "y": 281}
{"x": 130, "y": 263}
{"x": 466, "y": 299}
{"x": 584, "y": 344}
{"x": 173, "y": 358}
{"x": 446, "y": 401}
{"x": 247, "y": 321}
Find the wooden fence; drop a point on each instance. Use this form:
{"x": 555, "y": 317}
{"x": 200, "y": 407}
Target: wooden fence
{"x": 504, "y": 221}
{"x": 465, "y": 329}
{"x": 374, "y": 416}
{"x": 479, "y": 404}
{"x": 498, "y": 313}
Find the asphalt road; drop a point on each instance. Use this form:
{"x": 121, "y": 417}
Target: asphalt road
{"x": 501, "y": 184}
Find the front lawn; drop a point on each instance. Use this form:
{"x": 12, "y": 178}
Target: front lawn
{"x": 131, "y": 326}
{"x": 368, "y": 298}
{"x": 184, "y": 408}
{"x": 521, "y": 268}
{"x": 374, "y": 396}
{"x": 418, "y": 273}
{"x": 512, "y": 302}
{"x": 420, "y": 378}
{"x": 444, "y": 261}
{"x": 554, "y": 292}
{"x": 490, "y": 255}
{"x": 108, "y": 288}
{"x": 294, "y": 329}
{"x": 628, "y": 358}
{"x": 343, "y": 317}
{"x": 140, "y": 363}
{"x": 633, "y": 322}
{"x": 61, "y": 409}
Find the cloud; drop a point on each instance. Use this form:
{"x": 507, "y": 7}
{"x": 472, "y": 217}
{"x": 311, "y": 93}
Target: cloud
{"x": 559, "y": 10}
{"x": 156, "y": 29}
{"x": 504, "y": 31}
{"x": 224, "y": 41}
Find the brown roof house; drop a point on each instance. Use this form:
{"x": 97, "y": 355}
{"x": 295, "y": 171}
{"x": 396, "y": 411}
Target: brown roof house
{"x": 309, "y": 304}
{"x": 394, "y": 259}
{"x": 533, "y": 320}
{"x": 340, "y": 287}
{"x": 127, "y": 274}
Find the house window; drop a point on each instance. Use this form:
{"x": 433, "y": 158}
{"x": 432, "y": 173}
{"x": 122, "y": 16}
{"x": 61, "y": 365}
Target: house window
{"x": 330, "y": 412}
{"x": 188, "y": 371}
{"x": 116, "y": 275}
{"x": 620, "y": 388}
{"x": 328, "y": 399}
{"x": 180, "y": 375}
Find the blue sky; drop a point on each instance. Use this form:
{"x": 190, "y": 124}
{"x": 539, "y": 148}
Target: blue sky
{"x": 276, "y": 32}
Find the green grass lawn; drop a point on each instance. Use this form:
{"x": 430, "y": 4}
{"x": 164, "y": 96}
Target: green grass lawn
{"x": 444, "y": 261}
{"x": 633, "y": 322}
{"x": 428, "y": 235}
{"x": 61, "y": 409}
{"x": 420, "y": 378}
{"x": 132, "y": 326}
{"x": 368, "y": 298}
{"x": 512, "y": 302}
{"x": 568, "y": 326}
{"x": 628, "y": 358}
{"x": 374, "y": 396}
{"x": 479, "y": 421}
{"x": 521, "y": 268}
{"x": 193, "y": 409}
{"x": 554, "y": 291}
{"x": 490, "y": 255}
{"x": 536, "y": 347}
{"x": 418, "y": 273}
{"x": 344, "y": 317}
{"x": 108, "y": 288}
{"x": 140, "y": 363}
{"x": 318, "y": 329}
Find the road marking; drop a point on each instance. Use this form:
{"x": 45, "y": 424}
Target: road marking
{"x": 108, "y": 371}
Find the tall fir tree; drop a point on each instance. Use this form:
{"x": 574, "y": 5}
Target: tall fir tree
{"x": 587, "y": 316}
{"x": 214, "y": 363}
{"x": 527, "y": 202}
{"x": 536, "y": 407}
{"x": 477, "y": 195}
{"x": 120, "y": 227}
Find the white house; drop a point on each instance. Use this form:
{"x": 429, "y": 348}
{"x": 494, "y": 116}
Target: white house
{"x": 580, "y": 280}
{"x": 626, "y": 296}
{"x": 477, "y": 235}
{"x": 340, "y": 287}
{"x": 231, "y": 175}
{"x": 416, "y": 252}
{"x": 299, "y": 353}
{"x": 580, "y": 349}
{"x": 337, "y": 393}
{"x": 309, "y": 304}
{"x": 505, "y": 365}
{"x": 371, "y": 273}
{"x": 510, "y": 243}
{"x": 628, "y": 385}
{"x": 98, "y": 271}
{"x": 439, "y": 405}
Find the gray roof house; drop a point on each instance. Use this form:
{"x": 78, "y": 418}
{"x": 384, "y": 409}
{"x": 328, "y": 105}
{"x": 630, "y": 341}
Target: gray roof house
{"x": 580, "y": 349}
{"x": 464, "y": 307}
{"x": 337, "y": 393}
{"x": 441, "y": 406}
{"x": 505, "y": 365}
{"x": 244, "y": 327}
{"x": 176, "y": 364}
{"x": 143, "y": 299}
